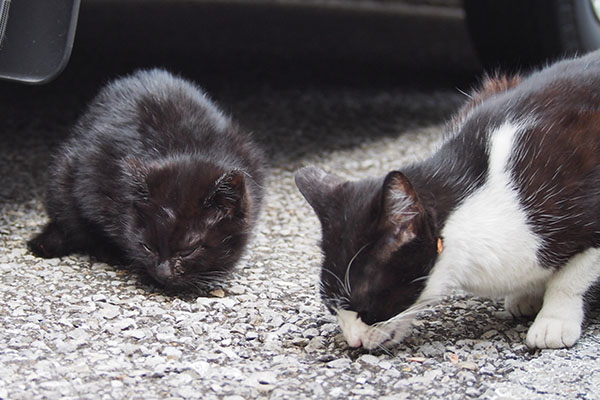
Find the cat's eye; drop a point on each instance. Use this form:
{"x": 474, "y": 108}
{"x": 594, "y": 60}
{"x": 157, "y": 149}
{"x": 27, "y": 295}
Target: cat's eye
{"x": 187, "y": 253}
{"x": 146, "y": 247}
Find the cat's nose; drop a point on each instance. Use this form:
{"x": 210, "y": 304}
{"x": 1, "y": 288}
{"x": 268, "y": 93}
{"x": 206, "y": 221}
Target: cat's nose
{"x": 353, "y": 328}
{"x": 353, "y": 341}
{"x": 163, "y": 272}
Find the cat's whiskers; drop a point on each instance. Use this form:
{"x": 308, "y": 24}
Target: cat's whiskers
{"x": 386, "y": 350}
{"x": 337, "y": 278}
{"x": 403, "y": 316}
{"x": 203, "y": 280}
{"x": 419, "y": 279}
{"x": 214, "y": 276}
{"x": 386, "y": 329}
{"x": 347, "y": 275}
{"x": 386, "y": 334}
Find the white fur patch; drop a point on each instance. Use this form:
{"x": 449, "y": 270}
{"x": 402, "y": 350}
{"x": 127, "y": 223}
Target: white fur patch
{"x": 489, "y": 248}
{"x": 358, "y": 334}
{"x": 353, "y": 328}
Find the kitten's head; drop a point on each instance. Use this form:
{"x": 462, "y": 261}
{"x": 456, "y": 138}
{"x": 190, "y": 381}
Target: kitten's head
{"x": 379, "y": 245}
{"x": 191, "y": 221}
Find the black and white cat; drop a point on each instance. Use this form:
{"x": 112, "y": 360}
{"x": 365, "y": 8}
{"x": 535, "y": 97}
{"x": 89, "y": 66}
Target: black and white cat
{"x": 155, "y": 176}
{"x": 509, "y": 206}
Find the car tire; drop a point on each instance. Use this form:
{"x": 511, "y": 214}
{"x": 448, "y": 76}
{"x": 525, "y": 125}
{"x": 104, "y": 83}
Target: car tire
{"x": 522, "y": 33}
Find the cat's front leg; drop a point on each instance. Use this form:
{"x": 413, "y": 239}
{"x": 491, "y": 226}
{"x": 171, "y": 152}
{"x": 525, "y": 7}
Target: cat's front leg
{"x": 558, "y": 328}
{"x": 524, "y": 304}
{"x": 60, "y": 238}
{"x": 52, "y": 242}
{"x": 558, "y": 324}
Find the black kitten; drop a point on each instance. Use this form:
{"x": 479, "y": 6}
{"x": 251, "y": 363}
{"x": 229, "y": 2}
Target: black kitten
{"x": 507, "y": 207}
{"x": 155, "y": 176}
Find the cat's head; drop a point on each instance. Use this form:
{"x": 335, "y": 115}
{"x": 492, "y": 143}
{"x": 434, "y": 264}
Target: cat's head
{"x": 379, "y": 245}
{"x": 190, "y": 222}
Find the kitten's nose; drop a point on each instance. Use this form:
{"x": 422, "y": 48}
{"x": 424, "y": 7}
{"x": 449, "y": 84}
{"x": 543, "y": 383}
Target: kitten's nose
{"x": 163, "y": 272}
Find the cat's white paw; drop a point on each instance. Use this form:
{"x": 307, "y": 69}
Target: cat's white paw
{"x": 523, "y": 305}
{"x": 553, "y": 332}
{"x": 387, "y": 335}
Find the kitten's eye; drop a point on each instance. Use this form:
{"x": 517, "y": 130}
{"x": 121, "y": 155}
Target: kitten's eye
{"x": 146, "y": 247}
{"x": 187, "y": 253}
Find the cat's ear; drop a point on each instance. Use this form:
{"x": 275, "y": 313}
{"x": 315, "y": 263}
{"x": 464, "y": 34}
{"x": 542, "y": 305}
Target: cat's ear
{"x": 316, "y": 185}
{"x": 230, "y": 193}
{"x": 138, "y": 172}
{"x": 400, "y": 207}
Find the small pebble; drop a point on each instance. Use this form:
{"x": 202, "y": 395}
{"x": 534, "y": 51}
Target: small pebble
{"x": 218, "y": 293}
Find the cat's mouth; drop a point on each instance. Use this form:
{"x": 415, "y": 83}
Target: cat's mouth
{"x": 171, "y": 275}
{"x": 382, "y": 334}
{"x": 168, "y": 273}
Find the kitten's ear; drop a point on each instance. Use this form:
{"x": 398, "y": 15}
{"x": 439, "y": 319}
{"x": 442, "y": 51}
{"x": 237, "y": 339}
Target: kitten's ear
{"x": 138, "y": 171}
{"x": 316, "y": 185}
{"x": 230, "y": 193}
{"x": 400, "y": 207}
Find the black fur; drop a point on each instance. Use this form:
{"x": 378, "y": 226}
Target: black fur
{"x": 154, "y": 175}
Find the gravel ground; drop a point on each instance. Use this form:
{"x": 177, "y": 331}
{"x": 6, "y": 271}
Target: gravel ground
{"x": 76, "y": 328}
{"x": 73, "y": 327}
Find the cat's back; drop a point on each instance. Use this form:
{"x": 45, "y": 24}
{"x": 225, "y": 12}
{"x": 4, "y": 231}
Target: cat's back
{"x": 541, "y": 139}
{"x": 147, "y": 118}
{"x": 153, "y": 114}
{"x": 565, "y": 92}
{"x": 557, "y": 114}
{"x": 551, "y": 116}
{"x": 555, "y": 162}
{"x": 151, "y": 105}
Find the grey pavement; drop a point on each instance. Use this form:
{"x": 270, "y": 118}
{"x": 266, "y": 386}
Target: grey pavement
{"x": 76, "y": 328}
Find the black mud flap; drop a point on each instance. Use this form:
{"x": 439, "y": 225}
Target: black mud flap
{"x": 36, "y": 38}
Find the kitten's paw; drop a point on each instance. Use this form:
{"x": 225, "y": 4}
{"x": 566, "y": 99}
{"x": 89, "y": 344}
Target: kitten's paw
{"x": 49, "y": 244}
{"x": 523, "y": 305}
{"x": 553, "y": 333}
{"x": 38, "y": 247}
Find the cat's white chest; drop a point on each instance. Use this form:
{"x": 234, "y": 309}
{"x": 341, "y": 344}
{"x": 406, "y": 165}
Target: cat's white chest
{"x": 489, "y": 247}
